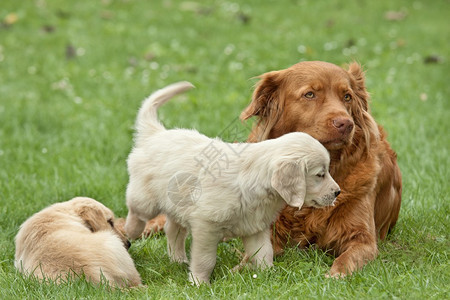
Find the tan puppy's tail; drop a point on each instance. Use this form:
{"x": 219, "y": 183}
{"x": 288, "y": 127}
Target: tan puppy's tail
{"x": 147, "y": 120}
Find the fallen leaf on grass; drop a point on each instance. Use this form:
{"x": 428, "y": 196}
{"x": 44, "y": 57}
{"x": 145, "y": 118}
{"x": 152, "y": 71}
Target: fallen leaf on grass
{"x": 48, "y": 28}
{"x": 395, "y": 15}
{"x": 244, "y": 18}
{"x": 330, "y": 23}
{"x": 149, "y": 56}
{"x": 10, "y": 19}
{"x": 107, "y": 15}
{"x": 432, "y": 59}
{"x": 70, "y": 52}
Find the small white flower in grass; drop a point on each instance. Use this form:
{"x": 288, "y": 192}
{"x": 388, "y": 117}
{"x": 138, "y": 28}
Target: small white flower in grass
{"x": 63, "y": 84}
{"x": 255, "y": 276}
{"x": 78, "y": 100}
{"x": 163, "y": 75}
{"x": 330, "y": 46}
{"x": 31, "y": 70}
{"x": 229, "y": 49}
{"x": 234, "y": 66}
{"x": 107, "y": 75}
{"x": 301, "y": 49}
{"x": 154, "y": 65}
{"x": 378, "y": 49}
{"x": 392, "y": 33}
{"x": 128, "y": 72}
{"x": 80, "y": 51}
{"x": 362, "y": 42}
{"x": 44, "y": 150}
{"x": 1, "y": 152}
{"x": 349, "y": 51}
{"x": 423, "y": 96}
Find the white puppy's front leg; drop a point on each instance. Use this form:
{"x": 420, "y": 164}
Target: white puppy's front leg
{"x": 133, "y": 226}
{"x": 176, "y": 236}
{"x": 203, "y": 255}
{"x": 259, "y": 249}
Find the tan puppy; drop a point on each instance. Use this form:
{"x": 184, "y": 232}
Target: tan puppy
{"x": 74, "y": 238}
{"x": 215, "y": 189}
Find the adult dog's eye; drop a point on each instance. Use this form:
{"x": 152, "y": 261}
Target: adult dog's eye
{"x": 347, "y": 97}
{"x": 310, "y": 95}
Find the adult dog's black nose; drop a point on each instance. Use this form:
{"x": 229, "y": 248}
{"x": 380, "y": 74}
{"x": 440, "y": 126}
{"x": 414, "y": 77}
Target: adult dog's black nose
{"x": 336, "y": 193}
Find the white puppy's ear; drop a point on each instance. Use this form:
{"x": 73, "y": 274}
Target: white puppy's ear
{"x": 289, "y": 181}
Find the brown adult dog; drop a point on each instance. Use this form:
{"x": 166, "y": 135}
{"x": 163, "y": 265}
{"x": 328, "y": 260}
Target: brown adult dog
{"x": 73, "y": 238}
{"x": 331, "y": 104}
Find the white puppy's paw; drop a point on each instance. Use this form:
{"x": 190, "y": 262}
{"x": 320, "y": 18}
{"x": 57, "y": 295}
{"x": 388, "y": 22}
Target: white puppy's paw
{"x": 179, "y": 259}
{"x": 197, "y": 280}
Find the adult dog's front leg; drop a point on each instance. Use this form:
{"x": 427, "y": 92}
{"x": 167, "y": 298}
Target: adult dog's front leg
{"x": 355, "y": 243}
{"x": 258, "y": 249}
{"x": 353, "y": 258}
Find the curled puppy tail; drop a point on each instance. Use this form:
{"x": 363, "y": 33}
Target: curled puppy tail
{"x": 147, "y": 120}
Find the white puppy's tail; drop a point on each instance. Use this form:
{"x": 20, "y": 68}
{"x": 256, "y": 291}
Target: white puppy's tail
{"x": 147, "y": 120}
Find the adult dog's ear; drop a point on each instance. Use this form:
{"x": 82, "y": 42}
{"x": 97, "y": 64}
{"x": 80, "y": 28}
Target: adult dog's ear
{"x": 263, "y": 96}
{"x": 361, "y": 110}
{"x": 289, "y": 181}
{"x": 358, "y": 85}
{"x": 93, "y": 218}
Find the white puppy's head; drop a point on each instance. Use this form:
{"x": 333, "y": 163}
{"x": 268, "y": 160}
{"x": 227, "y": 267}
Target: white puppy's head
{"x": 301, "y": 173}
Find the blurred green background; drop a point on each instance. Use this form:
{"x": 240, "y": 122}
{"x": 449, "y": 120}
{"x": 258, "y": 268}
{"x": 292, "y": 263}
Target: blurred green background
{"x": 73, "y": 74}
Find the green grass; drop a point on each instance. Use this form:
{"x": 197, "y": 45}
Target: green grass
{"x": 73, "y": 74}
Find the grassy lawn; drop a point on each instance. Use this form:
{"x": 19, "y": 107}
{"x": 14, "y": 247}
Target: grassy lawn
{"x": 73, "y": 74}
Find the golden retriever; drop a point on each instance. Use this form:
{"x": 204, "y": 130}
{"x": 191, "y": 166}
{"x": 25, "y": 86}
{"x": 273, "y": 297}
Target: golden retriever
{"x": 332, "y": 105}
{"x": 214, "y": 189}
{"x": 73, "y": 238}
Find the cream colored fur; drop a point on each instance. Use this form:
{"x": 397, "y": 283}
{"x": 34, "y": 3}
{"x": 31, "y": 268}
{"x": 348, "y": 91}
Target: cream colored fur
{"x": 238, "y": 195}
{"x": 73, "y": 238}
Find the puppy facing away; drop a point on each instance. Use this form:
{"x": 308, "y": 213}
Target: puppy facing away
{"x": 214, "y": 189}
{"x": 73, "y": 238}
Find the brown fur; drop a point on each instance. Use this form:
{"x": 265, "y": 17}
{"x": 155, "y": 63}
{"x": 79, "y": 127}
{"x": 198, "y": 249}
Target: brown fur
{"x": 73, "y": 238}
{"x": 152, "y": 226}
{"x": 362, "y": 162}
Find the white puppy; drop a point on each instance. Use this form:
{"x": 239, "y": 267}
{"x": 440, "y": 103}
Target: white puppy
{"x": 73, "y": 238}
{"x": 215, "y": 189}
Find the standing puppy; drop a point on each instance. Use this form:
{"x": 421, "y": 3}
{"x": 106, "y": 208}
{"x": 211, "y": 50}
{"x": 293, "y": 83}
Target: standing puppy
{"x": 215, "y": 189}
{"x": 74, "y": 238}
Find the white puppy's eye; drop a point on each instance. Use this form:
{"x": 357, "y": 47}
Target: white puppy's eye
{"x": 111, "y": 222}
{"x": 321, "y": 175}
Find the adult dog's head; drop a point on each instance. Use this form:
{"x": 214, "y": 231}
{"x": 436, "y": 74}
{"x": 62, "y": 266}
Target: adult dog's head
{"x": 301, "y": 172}
{"x": 319, "y": 98}
{"x": 96, "y": 216}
